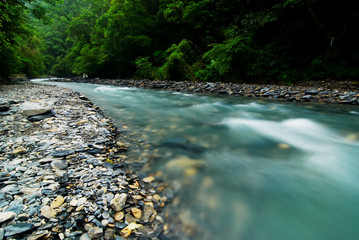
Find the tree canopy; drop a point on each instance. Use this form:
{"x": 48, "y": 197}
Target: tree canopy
{"x": 203, "y": 40}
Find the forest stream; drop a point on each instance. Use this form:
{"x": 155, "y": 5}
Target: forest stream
{"x": 242, "y": 168}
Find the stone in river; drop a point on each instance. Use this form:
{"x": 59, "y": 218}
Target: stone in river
{"x": 183, "y": 162}
{"x": 48, "y": 212}
{"x": 40, "y": 117}
{"x": 149, "y": 179}
{"x": 95, "y": 232}
{"x": 17, "y": 228}
{"x": 62, "y": 153}
{"x": 2, "y": 232}
{"x": 118, "y": 203}
{"x": 35, "y": 108}
{"x": 5, "y": 216}
{"x": 58, "y": 164}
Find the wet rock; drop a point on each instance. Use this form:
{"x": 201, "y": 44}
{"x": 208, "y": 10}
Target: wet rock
{"x": 95, "y": 232}
{"x": 5, "y": 216}
{"x": 118, "y": 203}
{"x": 149, "y": 179}
{"x": 2, "y": 232}
{"x": 18, "y": 228}
{"x": 184, "y": 162}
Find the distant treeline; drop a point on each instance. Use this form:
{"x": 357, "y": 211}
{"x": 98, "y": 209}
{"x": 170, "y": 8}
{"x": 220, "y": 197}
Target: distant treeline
{"x": 204, "y": 40}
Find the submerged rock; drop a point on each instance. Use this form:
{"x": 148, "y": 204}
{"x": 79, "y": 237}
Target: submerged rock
{"x": 184, "y": 162}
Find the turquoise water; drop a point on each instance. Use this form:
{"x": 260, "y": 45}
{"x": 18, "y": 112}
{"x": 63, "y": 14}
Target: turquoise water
{"x": 245, "y": 168}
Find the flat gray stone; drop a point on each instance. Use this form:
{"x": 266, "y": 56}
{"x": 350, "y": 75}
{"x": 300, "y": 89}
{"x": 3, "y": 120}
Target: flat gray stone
{"x": 35, "y": 108}
{"x": 60, "y": 165}
{"x": 5, "y": 216}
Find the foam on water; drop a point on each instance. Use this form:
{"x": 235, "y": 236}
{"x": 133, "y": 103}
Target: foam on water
{"x": 106, "y": 89}
{"x": 325, "y": 149}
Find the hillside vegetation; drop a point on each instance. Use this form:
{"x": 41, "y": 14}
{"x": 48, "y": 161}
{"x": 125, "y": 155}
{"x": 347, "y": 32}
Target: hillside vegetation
{"x": 204, "y": 40}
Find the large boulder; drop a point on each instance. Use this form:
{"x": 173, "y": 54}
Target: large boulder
{"x": 32, "y": 108}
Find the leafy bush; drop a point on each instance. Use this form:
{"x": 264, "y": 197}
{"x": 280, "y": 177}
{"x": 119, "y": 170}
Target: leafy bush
{"x": 179, "y": 60}
{"x": 145, "y": 69}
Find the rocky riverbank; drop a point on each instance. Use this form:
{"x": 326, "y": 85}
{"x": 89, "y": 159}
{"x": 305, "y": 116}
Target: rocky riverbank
{"x": 64, "y": 172}
{"x": 338, "y": 92}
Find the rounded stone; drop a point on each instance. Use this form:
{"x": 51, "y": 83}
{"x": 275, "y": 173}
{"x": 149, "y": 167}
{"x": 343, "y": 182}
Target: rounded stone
{"x": 95, "y": 232}
{"x": 119, "y": 216}
{"x": 58, "y": 201}
{"x": 48, "y": 212}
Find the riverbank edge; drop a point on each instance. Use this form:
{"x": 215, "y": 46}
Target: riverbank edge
{"x": 330, "y": 92}
{"x": 142, "y": 207}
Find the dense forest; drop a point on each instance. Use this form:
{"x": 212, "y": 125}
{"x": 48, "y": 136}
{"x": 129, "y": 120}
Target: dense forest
{"x": 203, "y": 40}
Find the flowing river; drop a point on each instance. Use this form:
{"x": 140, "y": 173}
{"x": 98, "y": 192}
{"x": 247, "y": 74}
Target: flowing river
{"x": 246, "y": 169}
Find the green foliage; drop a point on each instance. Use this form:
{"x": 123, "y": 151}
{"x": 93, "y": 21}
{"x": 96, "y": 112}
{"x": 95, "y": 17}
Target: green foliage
{"x": 283, "y": 40}
{"x": 178, "y": 62}
{"x": 233, "y": 55}
{"x": 19, "y": 48}
{"x": 145, "y": 69}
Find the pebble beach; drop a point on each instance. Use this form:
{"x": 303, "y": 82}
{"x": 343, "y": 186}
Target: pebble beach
{"x": 62, "y": 172}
